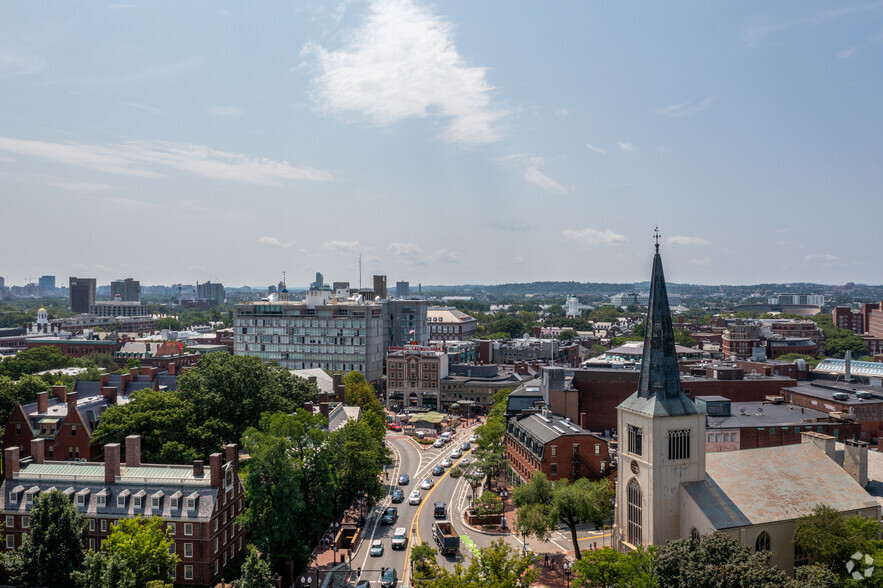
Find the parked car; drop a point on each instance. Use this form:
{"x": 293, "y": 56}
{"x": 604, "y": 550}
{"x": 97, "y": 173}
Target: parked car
{"x": 404, "y": 479}
{"x": 455, "y": 454}
{"x": 390, "y": 515}
{"x": 388, "y": 577}
{"x": 446, "y": 462}
{"x": 414, "y": 498}
{"x": 376, "y": 548}
{"x": 427, "y": 483}
{"x": 465, "y": 461}
{"x": 438, "y": 470}
{"x": 398, "y": 496}
{"x": 473, "y": 439}
{"x": 363, "y": 584}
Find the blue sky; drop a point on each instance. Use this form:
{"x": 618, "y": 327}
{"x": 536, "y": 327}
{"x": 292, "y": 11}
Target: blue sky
{"x": 447, "y": 142}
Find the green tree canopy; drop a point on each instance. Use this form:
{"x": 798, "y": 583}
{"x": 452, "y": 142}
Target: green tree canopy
{"x": 831, "y": 538}
{"x": 608, "y": 568}
{"x": 102, "y": 571}
{"x": 53, "y": 550}
{"x": 497, "y": 566}
{"x": 256, "y": 572}
{"x": 142, "y": 545}
{"x": 37, "y": 359}
{"x": 359, "y": 458}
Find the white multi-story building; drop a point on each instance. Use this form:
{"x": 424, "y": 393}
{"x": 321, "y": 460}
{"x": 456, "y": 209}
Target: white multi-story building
{"x": 642, "y": 299}
{"x": 327, "y": 331}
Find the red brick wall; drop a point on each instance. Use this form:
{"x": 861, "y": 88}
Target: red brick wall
{"x": 754, "y": 437}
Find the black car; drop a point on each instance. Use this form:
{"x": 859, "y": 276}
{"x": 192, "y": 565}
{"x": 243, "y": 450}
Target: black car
{"x": 404, "y": 479}
{"x": 441, "y": 510}
{"x": 363, "y": 584}
{"x": 398, "y": 496}
{"x": 438, "y": 470}
{"x": 388, "y": 577}
{"x": 465, "y": 447}
{"x": 390, "y": 515}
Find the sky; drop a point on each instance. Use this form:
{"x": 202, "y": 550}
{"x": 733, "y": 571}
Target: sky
{"x": 443, "y": 142}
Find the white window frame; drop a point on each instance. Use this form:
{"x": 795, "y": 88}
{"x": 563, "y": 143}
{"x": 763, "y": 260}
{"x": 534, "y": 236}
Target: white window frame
{"x": 91, "y": 525}
{"x": 172, "y": 528}
{"x": 26, "y": 522}
{"x": 10, "y": 522}
{"x": 188, "y": 572}
{"x": 188, "y": 550}
{"x": 188, "y": 529}
{"x": 10, "y": 541}
{"x": 103, "y": 525}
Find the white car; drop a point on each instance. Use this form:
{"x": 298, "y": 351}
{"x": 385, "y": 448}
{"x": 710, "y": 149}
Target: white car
{"x": 455, "y": 454}
{"x": 465, "y": 461}
{"x": 473, "y": 439}
{"x": 446, "y": 462}
{"x": 414, "y": 498}
{"x": 439, "y": 443}
{"x": 427, "y": 483}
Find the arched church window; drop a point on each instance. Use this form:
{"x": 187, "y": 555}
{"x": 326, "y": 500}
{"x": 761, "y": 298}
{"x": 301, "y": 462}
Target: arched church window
{"x": 635, "y": 509}
{"x": 694, "y": 535}
{"x": 762, "y": 543}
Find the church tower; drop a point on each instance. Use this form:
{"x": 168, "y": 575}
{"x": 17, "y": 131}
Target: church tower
{"x": 661, "y": 434}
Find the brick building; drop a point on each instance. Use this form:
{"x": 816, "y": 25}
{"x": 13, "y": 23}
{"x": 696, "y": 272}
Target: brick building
{"x": 554, "y": 445}
{"x": 844, "y": 317}
{"x": 199, "y": 507}
{"x": 860, "y": 403}
{"x": 446, "y": 323}
{"x": 739, "y": 339}
{"x": 474, "y": 385}
{"x": 413, "y": 376}
{"x": 749, "y": 425}
{"x": 77, "y": 347}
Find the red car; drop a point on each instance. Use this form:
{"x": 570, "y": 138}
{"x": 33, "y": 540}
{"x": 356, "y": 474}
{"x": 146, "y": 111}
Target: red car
{"x": 394, "y": 427}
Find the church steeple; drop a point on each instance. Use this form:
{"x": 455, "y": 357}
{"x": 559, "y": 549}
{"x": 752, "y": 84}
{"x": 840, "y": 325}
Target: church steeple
{"x": 659, "y": 385}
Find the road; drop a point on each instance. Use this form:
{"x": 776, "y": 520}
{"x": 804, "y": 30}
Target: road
{"x": 411, "y": 459}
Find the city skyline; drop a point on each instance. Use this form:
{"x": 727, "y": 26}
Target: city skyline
{"x": 445, "y": 143}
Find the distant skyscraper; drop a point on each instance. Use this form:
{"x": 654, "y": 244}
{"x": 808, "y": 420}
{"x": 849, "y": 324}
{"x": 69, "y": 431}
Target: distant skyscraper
{"x": 380, "y": 286}
{"x": 320, "y": 281}
{"x": 128, "y": 289}
{"x": 209, "y": 291}
{"x": 403, "y": 290}
{"x": 47, "y": 284}
{"x": 271, "y": 289}
{"x": 82, "y": 291}
{"x": 2, "y": 288}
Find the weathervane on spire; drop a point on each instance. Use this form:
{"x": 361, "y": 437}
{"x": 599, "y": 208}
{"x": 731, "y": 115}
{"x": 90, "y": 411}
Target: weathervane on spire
{"x": 656, "y": 236}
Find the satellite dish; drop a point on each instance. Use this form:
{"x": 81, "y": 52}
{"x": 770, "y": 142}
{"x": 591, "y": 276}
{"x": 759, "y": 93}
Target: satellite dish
{"x": 759, "y": 409}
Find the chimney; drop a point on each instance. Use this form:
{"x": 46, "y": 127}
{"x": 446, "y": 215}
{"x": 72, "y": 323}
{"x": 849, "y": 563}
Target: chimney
{"x": 308, "y": 406}
{"x": 110, "y": 392}
{"x": 11, "y": 457}
{"x": 323, "y": 397}
{"x": 42, "y": 402}
{"x": 103, "y": 380}
{"x": 38, "y": 450}
{"x": 133, "y": 372}
{"x": 173, "y": 368}
{"x": 216, "y": 462}
{"x": 60, "y": 392}
{"x": 133, "y": 451}
{"x": 582, "y": 420}
{"x": 855, "y": 461}
{"x": 71, "y": 401}
{"x": 823, "y": 442}
{"x": 198, "y": 468}
{"x": 111, "y": 462}
{"x": 324, "y": 409}
{"x": 232, "y": 453}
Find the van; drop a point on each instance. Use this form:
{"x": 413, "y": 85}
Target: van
{"x": 446, "y": 436}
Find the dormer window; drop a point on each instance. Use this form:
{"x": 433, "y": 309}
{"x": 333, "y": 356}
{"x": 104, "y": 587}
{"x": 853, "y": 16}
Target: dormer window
{"x": 138, "y": 497}
{"x": 83, "y": 498}
{"x": 156, "y": 500}
{"x": 121, "y": 498}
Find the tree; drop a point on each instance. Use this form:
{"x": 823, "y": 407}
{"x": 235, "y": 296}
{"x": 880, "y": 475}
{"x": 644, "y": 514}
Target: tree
{"x": 53, "y": 549}
{"x": 601, "y": 568}
{"x": 813, "y": 576}
{"x": 497, "y": 566}
{"x": 831, "y": 538}
{"x": 101, "y": 571}
{"x": 423, "y": 562}
{"x": 567, "y": 335}
{"x": 718, "y": 561}
{"x": 255, "y": 571}
{"x": 236, "y": 389}
{"x": 359, "y": 459}
{"x": 37, "y": 359}
{"x": 682, "y": 337}
{"x": 359, "y": 392}
{"x": 143, "y": 547}
{"x": 542, "y": 506}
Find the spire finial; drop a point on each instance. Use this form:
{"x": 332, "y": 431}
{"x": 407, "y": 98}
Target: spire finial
{"x": 284, "y": 285}
{"x": 656, "y": 236}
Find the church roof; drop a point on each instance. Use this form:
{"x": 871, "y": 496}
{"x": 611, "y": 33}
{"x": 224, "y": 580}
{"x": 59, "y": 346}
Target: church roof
{"x": 659, "y": 385}
{"x": 770, "y": 484}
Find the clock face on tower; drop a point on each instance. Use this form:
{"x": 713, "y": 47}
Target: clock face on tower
{"x": 635, "y": 468}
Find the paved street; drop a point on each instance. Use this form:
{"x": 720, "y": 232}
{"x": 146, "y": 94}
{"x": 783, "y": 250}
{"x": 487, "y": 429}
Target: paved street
{"x": 417, "y": 462}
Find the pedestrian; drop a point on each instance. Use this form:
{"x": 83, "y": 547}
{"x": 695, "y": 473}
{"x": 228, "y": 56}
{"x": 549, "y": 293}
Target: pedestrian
{"x": 546, "y": 561}
{"x": 595, "y": 545}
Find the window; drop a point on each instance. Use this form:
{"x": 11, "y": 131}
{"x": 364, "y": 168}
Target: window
{"x": 216, "y": 523}
{"x": 679, "y": 444}
{"x": 191, "y": 503}
{"x": 102, "y": 499}
{"x": 554, "y": 471}
{"x": 10, "y": 522}
{"x": 13, "y": 497}
{"x": 597, "y": 449}
{"x": 121, "y": 501}
{"x": 636, "y": 440}
{"x": 174, "y": 503}
{"x": 188, "y": 550}
{"x": 801, "y": 558}
{"x": 29, "y": 498}
{"x": 635, "y": 509}
{"x": 91, "y": 525}
{"x": 18, "y": 428}
{"x": 171, "y": 548}
{"x": 171, "y": 528}
{"x": 154, "y": 502}
{"x": 137, "y": 502}
{"x": 762, "y": 543}
{"x": 188, "y": 528}
{"x": 216, "y": 544}
{"x": 26, "y": 522}
{"x": 188, "y": 572}
{"x": 554, "y": 451}
{"x": 73, "y": 430}
{"x": 10, "y": 541}
{"x": 81, "y": 500}
{"x": 103, "y": 525}
{"x": 92, "y": 544}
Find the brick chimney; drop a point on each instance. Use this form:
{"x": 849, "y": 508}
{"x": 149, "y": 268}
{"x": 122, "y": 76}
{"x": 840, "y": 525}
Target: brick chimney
{"x": 824, "y": 442}
{"x": 42, "y": 402}
{"x": 582, "y": 420}
{"x": 215, "y": 463}
{"x": 60, "y": 392}
{"x": 103, "y": 380}
{"x": 198, "y": 468}
{"x": 71, "y": 401}
{"x": 38, "y": 452}
{"x": 325, "y": 409}
{"x": 133, "y": 451}
{"x": 308, "y": 406}
{"x": 323, "y": 397}
{"x": 11, "y": 456}
{"x": 855, "y": 461}
{"x": 110, "y": 392}
{"x": 111, "y": 462}
{"x": 232, "y": 453}
{"x": 133, "y": 372}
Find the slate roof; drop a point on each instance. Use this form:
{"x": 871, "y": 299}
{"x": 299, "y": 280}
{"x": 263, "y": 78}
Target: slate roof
{"x": 549, "y": 427}
{"x": 770, "y": 484}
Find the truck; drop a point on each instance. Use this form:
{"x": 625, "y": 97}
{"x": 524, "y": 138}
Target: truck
{"x": 399, "y": 541}
{"x": 446, "y": 538}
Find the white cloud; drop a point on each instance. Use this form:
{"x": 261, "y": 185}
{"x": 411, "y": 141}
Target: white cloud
{"x": 342, "y": 246}
{"x": 448, "y": 256}
{"x": 594, "y": 237}
{"x": 596, "y": 149}
{"x": 532, "y": 174}
{"x": 823, "y": 257}
{"x": 134, "y": 157}
{"x": 226, "y": 111}
{"x": 783, "y": 230}
{"x": 682, "y": 240}
{"x": 856, "y": 49}
{"x": 140, "y": 106}
{"x": 685, "y": 108}
{"x": 81, "y": 186}
{"x": 275, "y": 242}
{"x": 19, "y": 64}
{"x": 402, "y": 63}
{"x": 403, "y": 248}
{"x": 755, "y": 33}
{"x": 626, "y": 146}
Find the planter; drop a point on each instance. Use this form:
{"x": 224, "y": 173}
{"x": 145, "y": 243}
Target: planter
{"x": 476, "y": 519}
